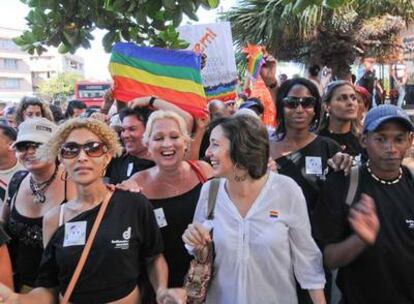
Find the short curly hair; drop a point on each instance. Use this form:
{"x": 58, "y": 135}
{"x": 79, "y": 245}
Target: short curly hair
{"x": 50, "y": 150}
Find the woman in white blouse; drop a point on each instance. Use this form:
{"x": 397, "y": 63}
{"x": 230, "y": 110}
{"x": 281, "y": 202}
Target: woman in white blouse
{"x": 262, "y": 235}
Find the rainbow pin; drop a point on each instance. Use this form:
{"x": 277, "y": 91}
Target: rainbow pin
{"x": 273, "y": 213}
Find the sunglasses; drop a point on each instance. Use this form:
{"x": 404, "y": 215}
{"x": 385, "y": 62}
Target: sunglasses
{"x": 92, "y": 149}
{"x": 292, "y": 102}
{"x": 26, "y": 145}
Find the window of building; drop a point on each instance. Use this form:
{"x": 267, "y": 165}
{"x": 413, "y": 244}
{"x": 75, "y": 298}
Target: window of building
{"x": 7, "y": 44}
{"x": 9, "y": 83}
{"x": 10, "y": 63}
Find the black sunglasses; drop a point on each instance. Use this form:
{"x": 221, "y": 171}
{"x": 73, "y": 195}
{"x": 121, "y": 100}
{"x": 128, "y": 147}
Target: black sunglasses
{"x": 292, "y": 102}
{"x": 26, "y": 145}
{"x": 92, "y": 149}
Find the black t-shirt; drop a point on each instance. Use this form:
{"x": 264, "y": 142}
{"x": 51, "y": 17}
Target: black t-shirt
{"x": 383, "y": 273}
{"x": 4, "y": 238}
{"x": 348, "y": 141}
{"x": 128, "y": 234}
{"x": 308, "y": 167}
{"x": 123, "y": 167}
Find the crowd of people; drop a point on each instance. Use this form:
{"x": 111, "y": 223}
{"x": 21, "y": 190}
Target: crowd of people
{"x": 321, "y": 203}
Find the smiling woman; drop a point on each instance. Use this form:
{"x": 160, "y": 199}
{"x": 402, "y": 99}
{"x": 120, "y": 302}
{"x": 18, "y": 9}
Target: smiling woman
{"x": 127, "y": 238}
{"x": 172, "y": 186}
{"x": 31, "y": 194}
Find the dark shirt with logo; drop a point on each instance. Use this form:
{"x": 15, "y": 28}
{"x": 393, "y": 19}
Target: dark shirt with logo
{"x": 123, "y": 167}
{"x": 308, "y": 167}
{"x": 127, "y": 236}
{"x": 383, "y": 273}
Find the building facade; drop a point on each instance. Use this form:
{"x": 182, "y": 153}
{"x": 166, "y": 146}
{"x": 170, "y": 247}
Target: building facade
{"x": 15, "y": 76}
{"x": 21, "y": 73}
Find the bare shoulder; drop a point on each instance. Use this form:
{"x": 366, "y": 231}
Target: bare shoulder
{"x": 50, "y": 224}
{"x": 207, "y": 169}
{"x": 143, "y": 177}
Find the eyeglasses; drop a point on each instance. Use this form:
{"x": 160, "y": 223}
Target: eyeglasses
{"x": 26, "y": 145}
{"x": 92, "y": 149}
{"x": 292, "y": 102}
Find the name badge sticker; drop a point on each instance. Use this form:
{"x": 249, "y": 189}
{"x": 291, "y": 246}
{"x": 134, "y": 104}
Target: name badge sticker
{"x": 75, "y": 234}
{"x": 160, "y": 217}
{"x": 313, "y": 165}
{"x": 129, "y": 170}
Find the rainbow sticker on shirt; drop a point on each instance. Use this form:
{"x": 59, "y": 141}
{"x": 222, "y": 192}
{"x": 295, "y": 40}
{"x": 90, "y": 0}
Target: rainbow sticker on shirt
{"x": 274, "y": 213}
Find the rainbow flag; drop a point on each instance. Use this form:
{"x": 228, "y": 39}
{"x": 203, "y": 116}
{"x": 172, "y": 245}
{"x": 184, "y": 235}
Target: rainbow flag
{"x": 255, "y": 60}
{"x": 171, "y": 75}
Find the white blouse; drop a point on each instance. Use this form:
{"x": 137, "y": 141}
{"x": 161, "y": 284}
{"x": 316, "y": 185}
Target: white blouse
{"x": 258, "y": 257}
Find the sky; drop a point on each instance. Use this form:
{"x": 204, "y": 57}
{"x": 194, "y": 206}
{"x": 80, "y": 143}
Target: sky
{"x": 96, "y": 60}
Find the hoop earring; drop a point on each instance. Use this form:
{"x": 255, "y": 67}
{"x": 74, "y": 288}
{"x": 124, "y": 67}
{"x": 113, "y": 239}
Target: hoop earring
{"x": 238, "y": 178}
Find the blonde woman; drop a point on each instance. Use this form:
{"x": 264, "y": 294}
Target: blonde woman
{"x": 173, "y": 185}
{"x": 127, "y": 238}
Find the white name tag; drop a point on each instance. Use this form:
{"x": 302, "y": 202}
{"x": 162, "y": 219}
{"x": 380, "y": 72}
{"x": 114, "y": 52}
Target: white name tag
{"x": 129, "y": 170}
{"x": 75, "y": 234}
{"x": 313, "y": 165}
{"x": 160, "y": 217}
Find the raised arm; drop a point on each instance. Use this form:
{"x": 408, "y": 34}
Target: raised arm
{"x": 161, "y": 104}
{"x": 268, "y": 74}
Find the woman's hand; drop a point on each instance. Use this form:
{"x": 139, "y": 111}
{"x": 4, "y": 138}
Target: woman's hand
{"x": 271, "y": 165}
{"x": 139, "y": 102}
{"x": 172, "y": 296}
{"x": 7, "y": 295}
{"x": 127, "y": 185}
{"x": 196, "y": 235}
{"x": 364, "y": 220}
{"x": 268, "y": 70}
{"x": 341, "y": 161}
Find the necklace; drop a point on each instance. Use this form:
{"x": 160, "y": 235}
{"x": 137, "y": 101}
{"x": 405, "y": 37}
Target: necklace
{"x": 384, "y": 182}
{"x": 39, "y": 189}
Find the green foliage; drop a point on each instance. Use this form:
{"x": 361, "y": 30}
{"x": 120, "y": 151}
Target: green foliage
{"x": 316, "y": 31}
{"x": 68, "y": 24}
{"x": 61, "y": 85}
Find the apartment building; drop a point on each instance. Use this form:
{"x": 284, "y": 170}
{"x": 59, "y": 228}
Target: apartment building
{"x": 50, "y": 63}
{"x": 21, "y": 73}
{"x": 15, "y": 77}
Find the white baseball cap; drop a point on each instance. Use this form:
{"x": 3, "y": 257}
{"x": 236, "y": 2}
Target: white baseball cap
{"x": 38, "y": 130}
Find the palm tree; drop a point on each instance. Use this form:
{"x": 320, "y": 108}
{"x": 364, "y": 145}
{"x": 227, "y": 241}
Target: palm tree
{"x": 331, "y": 33}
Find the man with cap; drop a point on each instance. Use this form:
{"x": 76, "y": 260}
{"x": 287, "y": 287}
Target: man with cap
{"x": 369, "y": 236}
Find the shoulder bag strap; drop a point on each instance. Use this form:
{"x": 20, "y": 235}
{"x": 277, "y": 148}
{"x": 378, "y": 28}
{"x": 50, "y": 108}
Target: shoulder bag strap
{"x": 353, "y": 185}
{"x": 86, "y": 249}
{"x": 14, "y": 186}
{"x": 199, "y": 172}
{"x": 212, "y": 195}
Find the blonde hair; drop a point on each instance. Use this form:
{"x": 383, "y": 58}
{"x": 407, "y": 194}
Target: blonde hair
{"x": 163, "y": 114}
{"x": 50, "y": 150}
